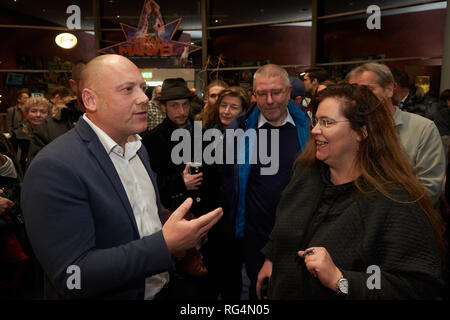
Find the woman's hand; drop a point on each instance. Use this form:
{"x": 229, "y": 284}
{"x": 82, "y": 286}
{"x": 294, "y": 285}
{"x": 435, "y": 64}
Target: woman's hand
{"x": 319, "y": 263}
{"x": 264, "y": 273}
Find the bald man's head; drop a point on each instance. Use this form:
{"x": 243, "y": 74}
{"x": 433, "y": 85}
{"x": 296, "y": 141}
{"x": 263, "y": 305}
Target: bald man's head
{"x": 97, "y": 69}
{"x": 113, "y": 92}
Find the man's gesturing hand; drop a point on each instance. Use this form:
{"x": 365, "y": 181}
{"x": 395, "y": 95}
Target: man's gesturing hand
{"x": 181, "y": 234}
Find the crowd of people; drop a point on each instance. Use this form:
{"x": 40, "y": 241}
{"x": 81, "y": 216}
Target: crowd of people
{"x": 107, "y": 194}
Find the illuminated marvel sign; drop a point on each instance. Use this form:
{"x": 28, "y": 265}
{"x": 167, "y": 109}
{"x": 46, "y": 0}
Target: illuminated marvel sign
{"x": 152, "y": 37}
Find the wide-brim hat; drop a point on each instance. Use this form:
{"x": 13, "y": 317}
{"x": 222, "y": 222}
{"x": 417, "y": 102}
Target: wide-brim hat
{"x": 174, "y": 89}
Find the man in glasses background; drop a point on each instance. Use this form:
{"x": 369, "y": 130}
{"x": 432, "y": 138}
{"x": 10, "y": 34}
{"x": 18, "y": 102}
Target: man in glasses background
{"x": 252, "y": 197}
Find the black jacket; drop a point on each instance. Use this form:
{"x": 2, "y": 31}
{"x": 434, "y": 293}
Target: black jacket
{"x": 358, "y": 231}
{"x": 418, "y": 103}
{"x": 169, "y": 175}
{"x": 51, "y": 128}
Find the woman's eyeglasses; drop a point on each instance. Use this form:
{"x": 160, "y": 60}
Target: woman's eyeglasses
{"x": 325, "y": 123}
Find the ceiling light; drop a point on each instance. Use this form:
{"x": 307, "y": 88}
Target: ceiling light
{"x": 66, "y": 40}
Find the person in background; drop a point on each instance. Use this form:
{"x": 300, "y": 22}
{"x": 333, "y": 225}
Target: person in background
{"x": 231, "y": 102}
{"x": 196, "y": 104}
{"x": 410, "y": 98}
{"x": 15, "y": 115}
{"x": 210, "y": 98}
{"x": 298, "y": 92}
{"x": 36, "y": 110}
{"x": 66, "y": 112}
{"x": 419, "y": 136}
{"x": 442, "y": 116}
{"x": 325, "y": 84}
{"x": 312, "y": 78}
{"x": 354, "y": 203}
{"x": 445, "y": 97}
{"x": 154, "y": 114}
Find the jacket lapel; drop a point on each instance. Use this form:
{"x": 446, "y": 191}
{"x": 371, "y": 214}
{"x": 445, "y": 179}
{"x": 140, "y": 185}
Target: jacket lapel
{"x": 105, "y": 163}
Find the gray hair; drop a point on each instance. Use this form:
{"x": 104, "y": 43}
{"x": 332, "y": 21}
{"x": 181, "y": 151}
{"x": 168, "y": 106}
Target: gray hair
{"x": 270, "y": 71}
{"x": 384, "y": 74}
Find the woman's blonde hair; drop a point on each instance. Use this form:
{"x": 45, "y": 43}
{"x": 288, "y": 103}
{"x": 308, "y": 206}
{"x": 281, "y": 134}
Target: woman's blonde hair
{"x": 34, "y": 101}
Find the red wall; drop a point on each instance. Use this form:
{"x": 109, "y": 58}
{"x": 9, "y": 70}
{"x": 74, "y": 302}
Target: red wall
{"x": 280, "y": 44}
{"x": 406, "y": 35}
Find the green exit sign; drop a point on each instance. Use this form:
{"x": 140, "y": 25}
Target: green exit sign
{"x": 147, "y": 75}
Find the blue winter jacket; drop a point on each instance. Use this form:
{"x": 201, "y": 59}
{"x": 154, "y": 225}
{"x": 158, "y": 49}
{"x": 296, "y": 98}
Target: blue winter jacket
{"x": 235, "y": 176}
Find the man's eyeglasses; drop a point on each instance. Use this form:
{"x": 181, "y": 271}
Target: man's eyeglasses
{"x": 325, "y": 123}
{"x": 273, "y": 93}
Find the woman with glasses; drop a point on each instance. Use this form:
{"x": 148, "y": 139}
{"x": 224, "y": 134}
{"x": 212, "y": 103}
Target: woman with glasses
{"x": 354, "y": 222}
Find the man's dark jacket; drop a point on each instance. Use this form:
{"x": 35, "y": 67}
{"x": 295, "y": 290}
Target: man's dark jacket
{"x": 418, "y": 103}
{"x": 52, "y": 128}
{"x": 169, "y": 175}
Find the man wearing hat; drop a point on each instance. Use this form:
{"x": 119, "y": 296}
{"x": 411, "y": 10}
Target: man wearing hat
{"x": 174, "y": 180}
{"x": 175, "y": 183}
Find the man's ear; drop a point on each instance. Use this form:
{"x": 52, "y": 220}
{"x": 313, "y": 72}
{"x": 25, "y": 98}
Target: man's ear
{"x": 389, "y": 90}
{"x": 289, "y": 90}
{"x": 73, "y": 85}
{"x": 89, "y": 99}
{"x": 315, "y": 82}
{"x": 163, "y": 107}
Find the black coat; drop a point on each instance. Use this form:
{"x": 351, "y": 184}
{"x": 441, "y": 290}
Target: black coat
{"x": 169, "y": 175}
{"x": 358, "y": 231}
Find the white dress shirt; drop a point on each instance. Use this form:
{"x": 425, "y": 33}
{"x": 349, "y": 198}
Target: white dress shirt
{"x": 140, "y": 192}
{"x": 262, "y": 120}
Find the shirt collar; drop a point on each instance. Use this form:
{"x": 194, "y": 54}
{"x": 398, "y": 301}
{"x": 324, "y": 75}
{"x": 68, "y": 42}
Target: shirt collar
{"x": 132, "y": 145}
{"x": 262, "y": 120}
{"x": 398, "y": 117}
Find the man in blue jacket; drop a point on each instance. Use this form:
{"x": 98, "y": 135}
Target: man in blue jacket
{"x": 90, "y": 201}
{"x": 275, "y": 133}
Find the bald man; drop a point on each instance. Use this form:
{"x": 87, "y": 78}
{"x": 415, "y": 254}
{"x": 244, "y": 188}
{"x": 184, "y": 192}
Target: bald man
{"x": 90, "y": 202}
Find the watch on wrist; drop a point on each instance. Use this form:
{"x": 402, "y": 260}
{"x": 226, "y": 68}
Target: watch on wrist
{"x": 342, "y": 285}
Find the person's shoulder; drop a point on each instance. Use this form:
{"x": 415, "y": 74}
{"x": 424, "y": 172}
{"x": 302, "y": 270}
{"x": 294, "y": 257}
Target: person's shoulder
{"x": 416, "y": 122}
{"x": 66, "y": 146}
{"x": 157, "y": 133}
{"x": 239, "y": 121}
